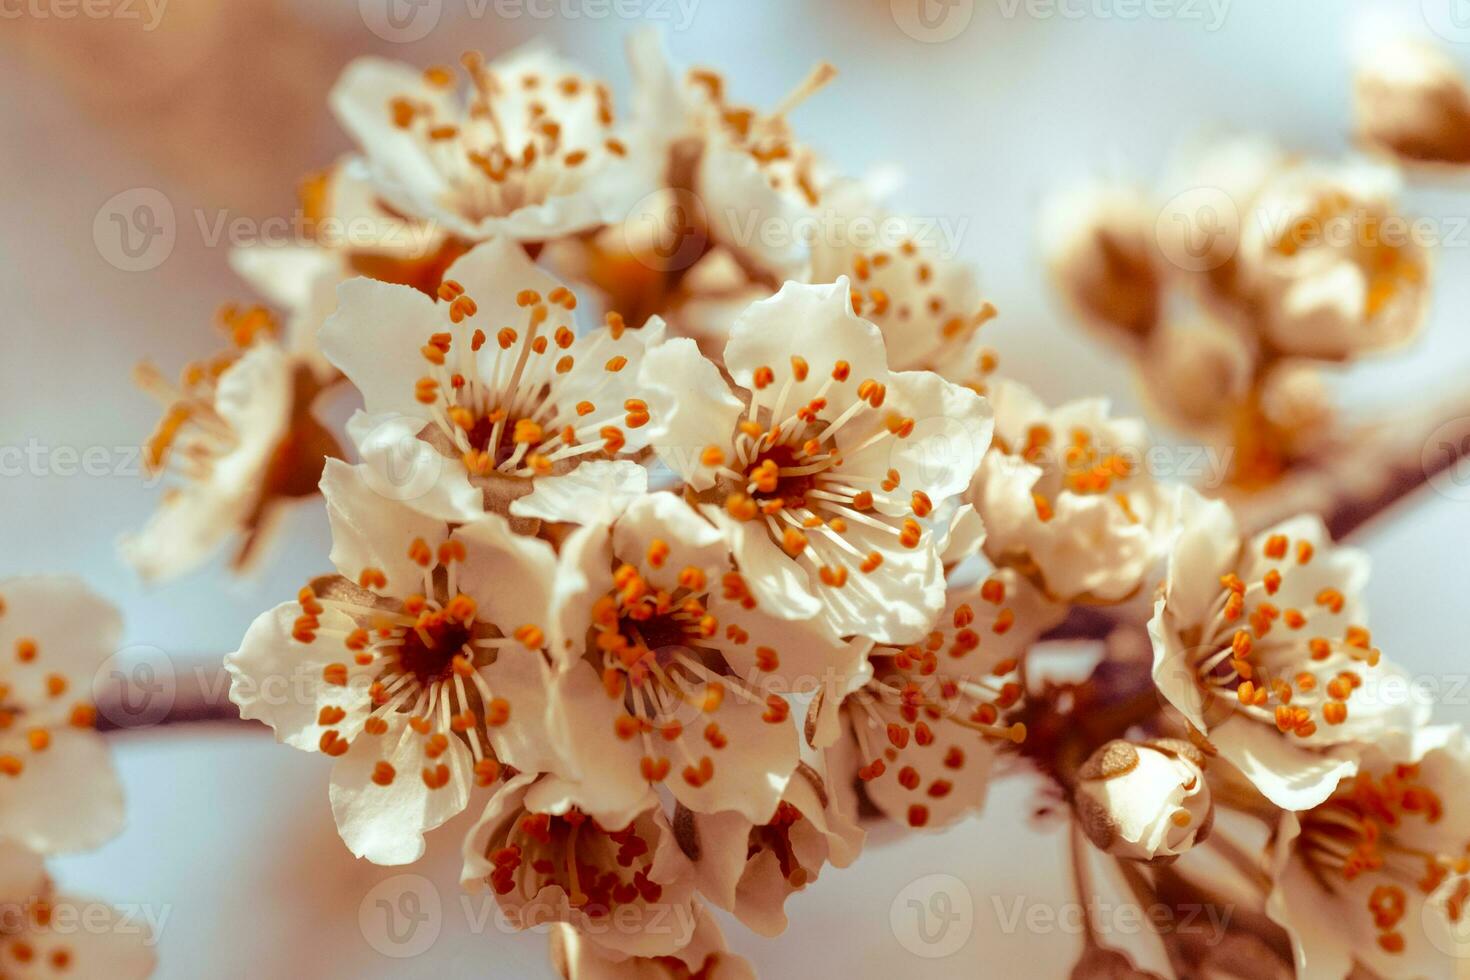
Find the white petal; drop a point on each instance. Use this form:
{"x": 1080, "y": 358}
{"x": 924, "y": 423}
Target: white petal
{"x": 74, "y": 631}
{"x": 374, "y": 339}
{"x": 277, "y": 679}
{"x": 691, "y": 406}
{"x": 400, "y": 466}
{"x": 66, "y": 798}
{"x": 386, "y": 824}
{"x": 596, "y": 491}
{"x": 1290, "y": 776}
{"x": 373, "y": 531}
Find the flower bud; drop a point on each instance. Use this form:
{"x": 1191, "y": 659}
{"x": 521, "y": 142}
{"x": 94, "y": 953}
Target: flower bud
{"x": 1411, "y": 101}
{"x": 1144, "y": 800}
{"x": 1099, "y": 246}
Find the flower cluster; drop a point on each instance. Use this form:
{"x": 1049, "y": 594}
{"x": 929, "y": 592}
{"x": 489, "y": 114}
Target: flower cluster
{"x": 682, "y": 533}
{"x": 1240, "y": 284}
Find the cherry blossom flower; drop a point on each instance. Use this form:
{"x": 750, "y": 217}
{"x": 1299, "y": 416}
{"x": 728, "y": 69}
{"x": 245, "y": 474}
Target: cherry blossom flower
{"x": 1065, "y": 497}
{"x": 419, "y": 668}
{"x": 921, "y": 728}
{"x": 628, "y": 887}
{"x": 1331, "y": 261}
{"x": 1411, "y": 101}
{"x": 530, "y": 154}
{"x": 752, "y": 181}
{"x": 826, "y": 468}
{"x": 672, "y": 670}
{"x": 44, "y": 934}
{"x": 751, "y": 869}
{"x": 926, "y": 304}
{"x": 575, "y": 957}
{"x": 468, "y": 399}
{"x": 1262, "y": 646}
{"x": 1146, "y": 801}
{"x": 58, "y": 790}
{"x": 239, "y": 435}
{"x": 1375, "y": 879}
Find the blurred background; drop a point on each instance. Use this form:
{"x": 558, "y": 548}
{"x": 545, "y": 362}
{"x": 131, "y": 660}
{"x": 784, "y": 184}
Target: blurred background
{"x": 219, "y": 107}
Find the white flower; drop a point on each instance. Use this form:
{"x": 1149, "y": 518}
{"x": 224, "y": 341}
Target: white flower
{"x": 926, "y": 304}
{"x": 1065, "y": 496}
{"x": 547, "y": 860}
{"x": 754, "y": 184}
{"x": 750, "y": 869}
{"x": 1327, "y": 255}
{"x": 58, "y": 790}
{"x": 826, "y": 468}
{"x": 1145, "y": 801}
{"x": 576, "y": 957}
{"x": 239, "y": 435}
{"x": 673, "y": 671}
{"x": 419, "y": 669}
{"x": 1375, "y": 880}
{"x": 1261, "y": 645}
{"x": 1411, "y": 100}
{"x": 530, "y": 154}
{"x": 47, "y": 935}
{"x": 922, "y": 727}
{"x": 1098, "y": 243}
{"x": 467, "y": 399}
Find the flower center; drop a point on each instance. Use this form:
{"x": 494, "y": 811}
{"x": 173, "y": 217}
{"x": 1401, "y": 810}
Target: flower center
{"x": 513, "y": 146}
{"x": 500, "y": 413}
{"x": 429, "y": 648}
{"x": 1267, "y": 658}
{"x": 574, "y": 853}
{"x": 1363, "y": 830}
